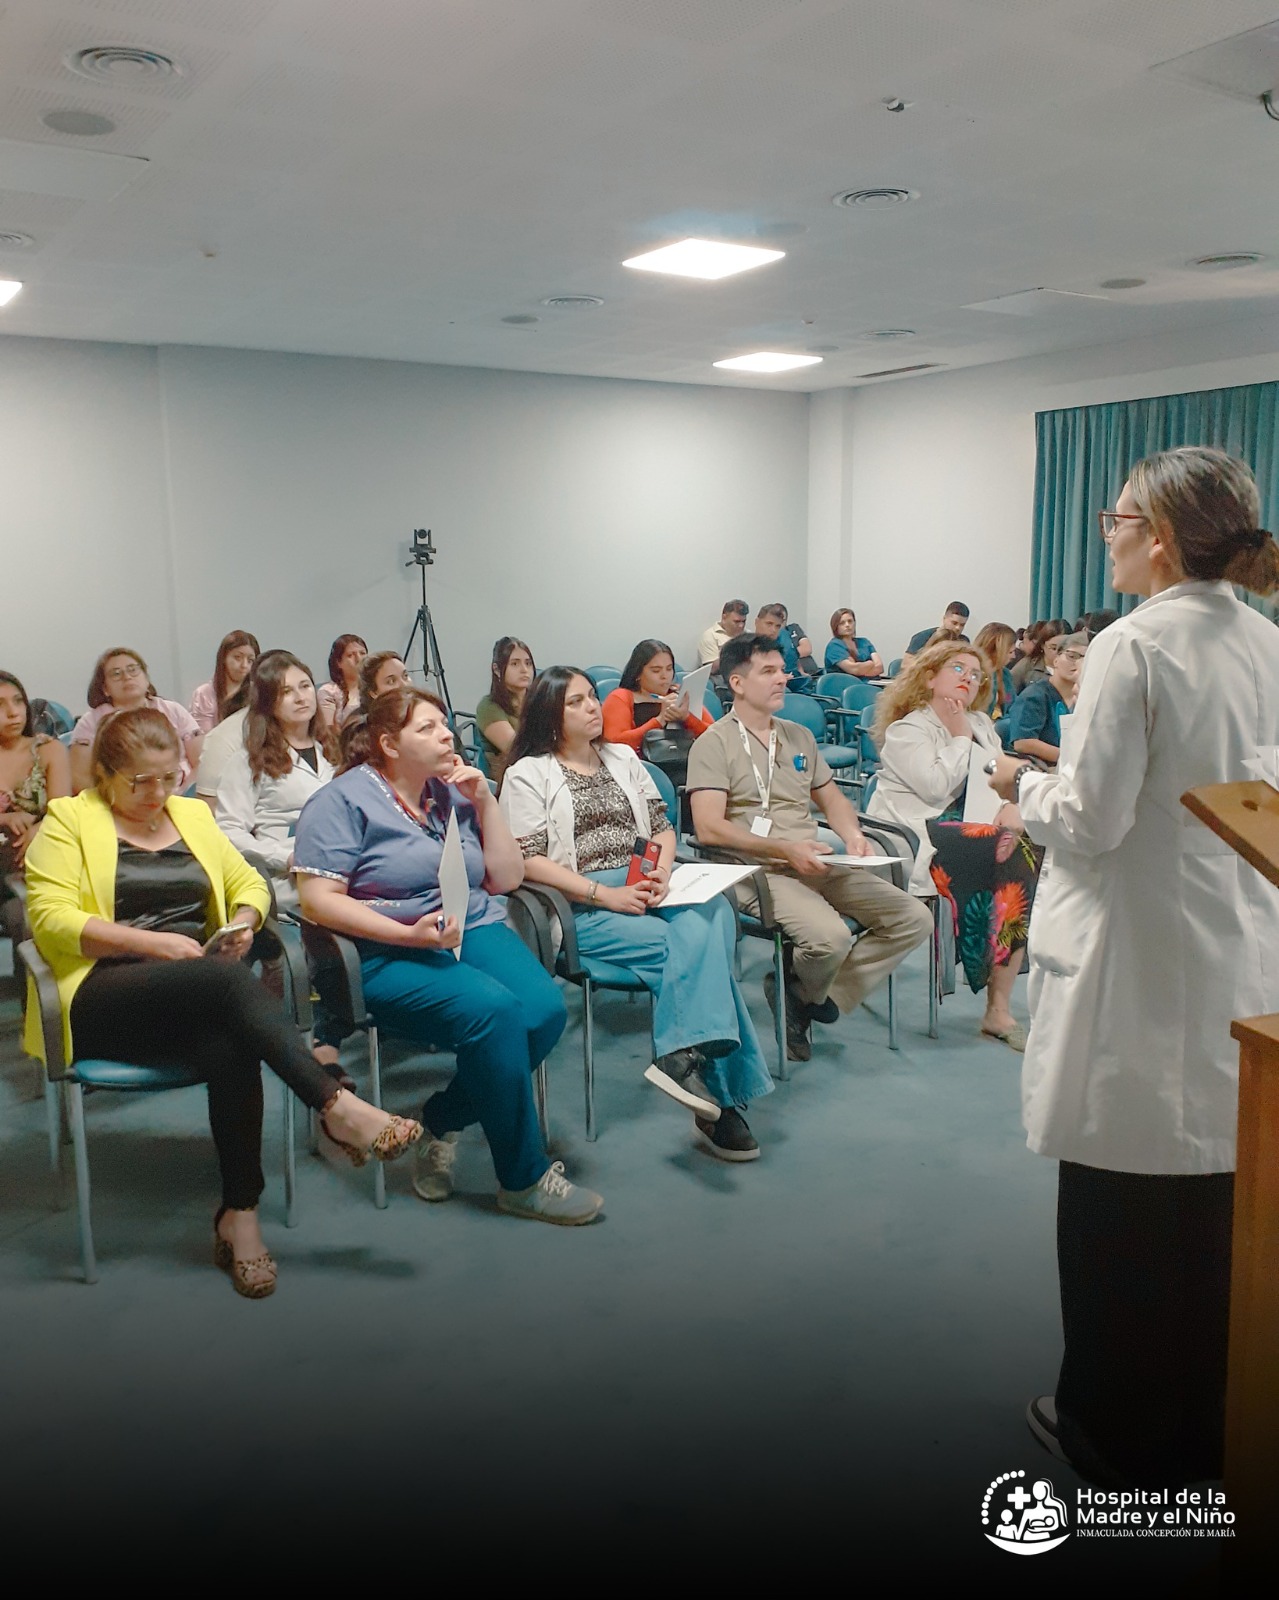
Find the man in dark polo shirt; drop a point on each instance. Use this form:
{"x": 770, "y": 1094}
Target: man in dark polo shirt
{"x": 752, "y": 781}
{"x": 955, "y": 620}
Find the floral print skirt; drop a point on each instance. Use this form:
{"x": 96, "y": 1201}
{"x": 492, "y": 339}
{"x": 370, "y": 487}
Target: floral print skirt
{"x": 988, "y": 875}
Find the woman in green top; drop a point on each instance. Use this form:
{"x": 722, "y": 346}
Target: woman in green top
{"x": 498, "y": 714}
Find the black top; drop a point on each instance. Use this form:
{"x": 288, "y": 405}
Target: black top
{"x": 307, "y": 753}
{"x": 163, "y": 891}
{"x": 920, "y": 639}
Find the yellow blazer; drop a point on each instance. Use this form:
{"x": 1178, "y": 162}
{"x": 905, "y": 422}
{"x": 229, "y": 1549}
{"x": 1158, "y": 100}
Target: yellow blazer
{"x": 70, "y": 872}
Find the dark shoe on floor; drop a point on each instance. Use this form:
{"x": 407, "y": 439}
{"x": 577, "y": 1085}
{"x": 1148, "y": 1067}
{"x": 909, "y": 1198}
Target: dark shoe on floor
{"x": 678, "y": 1075}
{"x": 827, "y": 1011}
{"x": 799, "y": 1041}
{"x": 1041, "y": 1419}
{"x": 729, "y": 1138}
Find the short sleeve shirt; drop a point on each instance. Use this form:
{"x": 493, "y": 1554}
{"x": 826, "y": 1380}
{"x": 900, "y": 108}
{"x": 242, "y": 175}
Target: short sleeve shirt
{"x": 1036, "y": 713}
{"x": 838, "y": 650}
{"x": 179, "y": 718}
{"x": 920, "y": 639}
{"x": 718, "y": 760}
{"x": 355, "y": 830}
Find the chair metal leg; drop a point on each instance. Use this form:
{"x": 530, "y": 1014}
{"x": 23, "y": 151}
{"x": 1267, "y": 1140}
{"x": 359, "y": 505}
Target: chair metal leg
{"x": 652, "y": 1036}
{"x": 80, "y": 1146}
{"x": 540, "y": 1096}
{"x": 375, "y": 1094}
{"x": 290, "y": 1160}
{"x": 779, "y": 1006}
{"x": 934, "y": 969}
{"x": 892, "y": 1012}
{"x": 588, "y": 1056}
{"x": 53, "y": 1115}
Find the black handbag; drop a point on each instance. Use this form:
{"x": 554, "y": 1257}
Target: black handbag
{"x": 668, "y": 749}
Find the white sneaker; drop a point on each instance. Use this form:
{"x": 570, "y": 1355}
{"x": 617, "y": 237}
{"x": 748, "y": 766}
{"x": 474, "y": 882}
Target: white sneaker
{"x": 552, "y": 1199}
{"x": 433, "y": 1167}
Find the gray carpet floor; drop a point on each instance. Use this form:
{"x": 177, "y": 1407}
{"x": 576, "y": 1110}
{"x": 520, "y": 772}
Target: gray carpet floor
{"x": 825, "y": 1354}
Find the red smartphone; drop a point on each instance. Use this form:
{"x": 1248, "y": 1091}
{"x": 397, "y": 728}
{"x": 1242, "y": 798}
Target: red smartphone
{"x": 644, "y": 858}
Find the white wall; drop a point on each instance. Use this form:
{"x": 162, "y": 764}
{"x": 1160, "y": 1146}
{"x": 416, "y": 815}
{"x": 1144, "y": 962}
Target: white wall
{"x": 159, "y": 498}
{"x": 938, "y": 472}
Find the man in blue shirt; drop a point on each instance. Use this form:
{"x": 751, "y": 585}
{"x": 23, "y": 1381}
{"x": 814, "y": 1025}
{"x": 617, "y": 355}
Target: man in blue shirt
{"x": 771, "y": 623}
{"x": 955, "y": 620}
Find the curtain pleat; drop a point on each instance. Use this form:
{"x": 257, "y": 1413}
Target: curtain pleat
{"x": 1082, "y": 458}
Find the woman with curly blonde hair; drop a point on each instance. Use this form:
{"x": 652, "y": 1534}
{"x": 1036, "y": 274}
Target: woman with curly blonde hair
{"x": 925, "y": 729}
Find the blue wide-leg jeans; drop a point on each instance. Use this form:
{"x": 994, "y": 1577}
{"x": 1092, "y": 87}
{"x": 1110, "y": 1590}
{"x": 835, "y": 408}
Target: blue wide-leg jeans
{"x": 684, "y": 958}
{"x": 499, "y": 1012}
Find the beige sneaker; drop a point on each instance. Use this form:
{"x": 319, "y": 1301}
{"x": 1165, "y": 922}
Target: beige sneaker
{"x": 552, "y": 1199}
{"x": 433, "y": 1167}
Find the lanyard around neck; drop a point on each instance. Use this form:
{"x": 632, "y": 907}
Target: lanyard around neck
{"x": 765, "y": 790}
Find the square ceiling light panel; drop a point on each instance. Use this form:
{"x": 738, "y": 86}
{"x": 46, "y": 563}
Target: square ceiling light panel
{"x": 703, "y": 258}
{"x": 769, "y": 361}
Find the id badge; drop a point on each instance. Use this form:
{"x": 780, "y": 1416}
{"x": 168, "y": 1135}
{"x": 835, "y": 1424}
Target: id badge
{"x": 761, "y": 827}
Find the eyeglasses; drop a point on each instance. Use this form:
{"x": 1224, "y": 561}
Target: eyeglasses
{"x": 131, "y": 671}
{"x": 166, "y": 781}
{"x": 1070, "y": 655}
{"x": 1107, "y": 520}
{"x": 965, "y": 674}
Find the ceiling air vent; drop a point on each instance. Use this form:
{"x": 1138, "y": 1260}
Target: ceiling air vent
{"x": 122, "y": 64}
{"x": 15, "y": 241}
{"x": 897, "y": 372}
{"x": 572, "y": 302}
{"x": 1228, "y": 259}
{"x": 874, "y": 199}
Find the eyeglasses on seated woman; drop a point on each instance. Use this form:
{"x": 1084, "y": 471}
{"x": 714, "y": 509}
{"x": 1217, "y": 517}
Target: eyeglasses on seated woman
{"x": 121, "y": 681}
{"x": 126, "y": 882}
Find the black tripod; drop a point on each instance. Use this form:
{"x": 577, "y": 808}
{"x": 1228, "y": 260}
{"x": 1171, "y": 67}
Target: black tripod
{"x": 422, "y": 556}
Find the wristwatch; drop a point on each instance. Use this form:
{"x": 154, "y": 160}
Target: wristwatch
{"x": 1020, "y": 773}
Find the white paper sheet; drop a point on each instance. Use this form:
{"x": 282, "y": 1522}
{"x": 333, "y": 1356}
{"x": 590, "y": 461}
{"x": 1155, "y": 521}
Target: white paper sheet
{"x": 1265, "y": 765}
{"x": 694, "y": 686}
{"x": 455, "y": 886}
{"x": 981, "y": 803}
{"x": 693, "y": 883}
{"x": 866, "y": 861}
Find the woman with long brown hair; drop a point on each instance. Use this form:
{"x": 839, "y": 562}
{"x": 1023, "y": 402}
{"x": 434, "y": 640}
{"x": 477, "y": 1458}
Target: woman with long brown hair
{"x": 125, "y": 883}
{"x": 497, "y": 717}
{"x": 998, "y": 644}
{"x": 121, "y": 681}
{"x": 925, "y": 728}
{"x": 227, "y": 691}
{"x": 339, "y": 697}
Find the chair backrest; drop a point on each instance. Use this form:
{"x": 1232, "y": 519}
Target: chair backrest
{"x": 710, "y": 704}
{"x": 831, "y": 683}
{"x": 868, "y": 789}
{"x": 865, "y": 722}
{"x": 798, "y": 708}
{"x": 857, "y": 695}
{"x": 667, "y": 791}
{"x": 608, "y": 672}
{"x": 894, "y": 667}
{"x": 605, "y": 684}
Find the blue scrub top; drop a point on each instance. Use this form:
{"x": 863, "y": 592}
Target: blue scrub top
{"x": 837, "y": 651}
{"x": 355, "y": 830}
{"x": 1036, "y": 713}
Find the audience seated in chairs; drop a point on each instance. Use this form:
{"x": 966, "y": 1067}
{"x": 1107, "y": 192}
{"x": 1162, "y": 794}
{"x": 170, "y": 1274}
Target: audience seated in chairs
{"x": 497, "y": 717}
{"x": 577, "y": 806}
{"x": 228, "y": 689}
{"x": 367, "y": 856}
{"x": 954, "y": 621}
{"x": 1034, "y": 660}
{"x": 34, "y": 769}
{"x": 339, "y": 698}
{"x": 1034, "y": 723}
{"x": 226, "y": 739}
{"x": 997, "y": 645}
{"x": 925, "y": 728}
{"x": 122, "y": 682}
{"x": 753, "y": 778}
{"x": 649, "y": 714}
{"x": 732, "y": 621}
{"x": 125, "y": 881}
{"x": 848, "y": 652}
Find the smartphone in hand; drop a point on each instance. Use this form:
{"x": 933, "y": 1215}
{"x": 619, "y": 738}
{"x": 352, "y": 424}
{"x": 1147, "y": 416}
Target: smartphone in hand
{"x": 645, "y": 855}
{"x": 219, "y": 937}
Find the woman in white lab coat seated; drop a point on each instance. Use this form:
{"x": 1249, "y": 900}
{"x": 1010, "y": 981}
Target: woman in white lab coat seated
{"x": 1150, "y": 935}
{"x": 926, "y": 730}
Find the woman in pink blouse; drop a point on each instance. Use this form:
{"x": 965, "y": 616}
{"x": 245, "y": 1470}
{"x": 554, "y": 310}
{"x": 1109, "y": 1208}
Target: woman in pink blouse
{"x": 228, "y": 689}
{"x": 122, "y": 682}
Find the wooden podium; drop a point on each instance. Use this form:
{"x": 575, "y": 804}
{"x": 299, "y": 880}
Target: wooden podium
{"x": 1246, "y": 816}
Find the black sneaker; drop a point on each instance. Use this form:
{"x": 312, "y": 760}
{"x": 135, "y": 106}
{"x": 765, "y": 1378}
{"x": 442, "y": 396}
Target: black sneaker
{"x": 825, "y": 1011}
{"x": 677, "y": 1075}
{"x": 729, "y": 1138}
{"x": 799, "y": 1018}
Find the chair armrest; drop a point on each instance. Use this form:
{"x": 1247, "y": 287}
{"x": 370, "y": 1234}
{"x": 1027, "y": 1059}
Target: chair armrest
{"x": 41, "y": 974}
{"x": 758, "y": 880}
{"x": 294, "y": 956}
{"x": 531, "y": 921}
{"x": 883, "y": 833}
{"x": 557, "y": 906}
{"x": 325, "y": 945}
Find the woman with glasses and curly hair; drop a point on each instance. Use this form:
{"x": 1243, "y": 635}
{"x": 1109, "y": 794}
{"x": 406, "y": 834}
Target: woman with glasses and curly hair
{"x": 925, "y": 729}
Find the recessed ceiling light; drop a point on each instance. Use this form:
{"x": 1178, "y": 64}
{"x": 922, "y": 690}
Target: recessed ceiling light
{"x": 84, "y": 124}
{"x": 874, "y": 199}
{"x": 15, "y": 241}
{"x": 8, "y": 288}
{"x": 122, "y": 64}
{"x": 1121, "y": 283}
{"x": 1226, "y": 260}
{"x": 572, "y": 302}
{"x": 888, "y": 333}
{"x": 769, "y": 361}
{"x": 521, "y": 319}
{"x": 703, "y": 258}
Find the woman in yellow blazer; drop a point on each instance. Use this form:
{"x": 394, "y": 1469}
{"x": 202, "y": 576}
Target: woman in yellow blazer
{"x": 125, "y": 883}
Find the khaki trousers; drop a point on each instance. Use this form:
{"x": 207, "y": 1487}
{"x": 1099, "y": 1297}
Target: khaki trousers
{"x": 827, "y": 961}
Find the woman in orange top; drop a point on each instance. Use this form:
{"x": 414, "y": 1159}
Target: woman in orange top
{"x": 646, "y": 700}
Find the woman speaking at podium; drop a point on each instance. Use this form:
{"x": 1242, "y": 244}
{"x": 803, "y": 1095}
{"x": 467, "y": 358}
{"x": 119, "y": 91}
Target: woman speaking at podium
{"x": 1149, "y": 935}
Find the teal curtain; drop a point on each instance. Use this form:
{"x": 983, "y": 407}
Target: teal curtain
{"x": 1082, "y": 458}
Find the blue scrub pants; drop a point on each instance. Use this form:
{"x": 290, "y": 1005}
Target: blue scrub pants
{"x": 499, "y": 1012}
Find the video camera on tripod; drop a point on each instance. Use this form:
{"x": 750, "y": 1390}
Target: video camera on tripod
{"x": 422, "y": 555}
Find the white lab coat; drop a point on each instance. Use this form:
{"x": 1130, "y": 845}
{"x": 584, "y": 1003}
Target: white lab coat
{"x": 261, "y": 816}
{"x": 535, "y": 795}
{"x": 922, "y": 768}
{"x": 1149, "y": 934}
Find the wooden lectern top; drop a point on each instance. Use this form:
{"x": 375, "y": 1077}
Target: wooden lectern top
{"x": 1246, "y": 816}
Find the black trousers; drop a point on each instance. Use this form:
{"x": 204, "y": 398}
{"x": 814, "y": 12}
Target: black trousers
{"x": 1144, "y": 1264}
{"x": 216, "y": 1019}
